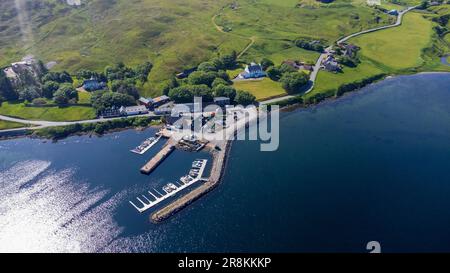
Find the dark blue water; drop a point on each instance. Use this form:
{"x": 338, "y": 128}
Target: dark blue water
{"x": 369, "y": 166}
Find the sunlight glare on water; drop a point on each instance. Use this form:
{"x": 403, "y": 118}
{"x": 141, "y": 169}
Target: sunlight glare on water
{"x": 47, "y": 211}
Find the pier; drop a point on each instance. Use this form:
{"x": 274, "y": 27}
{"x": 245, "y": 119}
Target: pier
{"x": 156, "y": 197}
{"x": 218, "y": 166}
{"x": 158, "y": 158}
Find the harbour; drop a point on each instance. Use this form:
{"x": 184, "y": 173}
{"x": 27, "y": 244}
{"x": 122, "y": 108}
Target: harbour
{"x": 170, "y": 189}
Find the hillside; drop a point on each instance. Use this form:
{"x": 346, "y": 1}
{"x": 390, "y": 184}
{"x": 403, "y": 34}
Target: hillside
{"x": 173, "y": 34}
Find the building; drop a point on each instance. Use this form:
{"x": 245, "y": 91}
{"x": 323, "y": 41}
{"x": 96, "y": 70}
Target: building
{"x": 158, "y": 101}
{"x": 252, "y": 71}
{"x": 186, "y": 73}
{"x": 292, "y": 63}
{"x": 350, "y": 50}
{"x": 393, "y": 12}
{"x": 111, "y": 112}
{"x": 133, "y": 110}
{"x": 187, "y": 107}
{"x": 330, "y": 64}
{"x": 93, "y": 85}
{"x": 147, "y": 102}
{"x": 222, "y": 101}
{"x": 298, "y": 65}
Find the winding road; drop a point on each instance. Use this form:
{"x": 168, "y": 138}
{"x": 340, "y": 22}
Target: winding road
{"x": 313, "y": 76}
{"x": 37, "y": 124}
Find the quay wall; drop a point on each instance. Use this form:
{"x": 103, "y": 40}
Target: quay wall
{"x": 217, "y": 170}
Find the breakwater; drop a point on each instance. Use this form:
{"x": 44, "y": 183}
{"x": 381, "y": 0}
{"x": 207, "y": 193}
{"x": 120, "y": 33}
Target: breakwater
{"x": 217, "y": 170}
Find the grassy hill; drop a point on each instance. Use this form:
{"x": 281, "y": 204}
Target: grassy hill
{"x": 173, "y": 34}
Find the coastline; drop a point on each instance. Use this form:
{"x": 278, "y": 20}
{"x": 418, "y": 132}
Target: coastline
{"x": 330, "y": 99}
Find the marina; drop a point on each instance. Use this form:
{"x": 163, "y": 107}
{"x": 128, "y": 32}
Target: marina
{"x": 171, "y": 189}
{"x": 146, "y": 145}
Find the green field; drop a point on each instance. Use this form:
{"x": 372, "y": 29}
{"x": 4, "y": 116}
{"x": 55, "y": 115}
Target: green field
{"x": 173, "y": 34}
{"x": 328, "y": 82}
{"x": 71, "y": 113}
{"x": 400, "y": 47}
{"x": 84, "y": 97}
{"x": 391, "y": 51}
{"x": 261, "y": 89}
{"x": 10, "y": 125}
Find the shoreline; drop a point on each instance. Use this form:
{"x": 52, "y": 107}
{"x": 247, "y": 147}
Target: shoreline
{"x": 334, "y": 98}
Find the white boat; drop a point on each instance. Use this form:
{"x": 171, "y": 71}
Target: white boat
{"x": 146, "y": 145}
{"x": 170, "y": 188}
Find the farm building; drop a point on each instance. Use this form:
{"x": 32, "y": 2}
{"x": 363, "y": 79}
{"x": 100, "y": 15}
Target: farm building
{"x": 147, "y": 102}
{"x": 133, "y": 110}
{"x": 330, "y": 64}
{"x": 158, "y": 101}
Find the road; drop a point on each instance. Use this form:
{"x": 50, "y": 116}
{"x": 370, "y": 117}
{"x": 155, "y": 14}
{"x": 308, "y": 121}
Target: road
{"x": 313, "y": 76}
{"x": 39, "y": 124}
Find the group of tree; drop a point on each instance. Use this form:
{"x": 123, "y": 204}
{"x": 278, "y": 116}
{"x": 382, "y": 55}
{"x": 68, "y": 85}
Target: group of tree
{"x": 58, "y": 86}
{"x": 122, "y": 72}
{"x": 310, "y": 44}
{"x": 6, "y": 89}
{"x": 291, "y": 80}
{"x": 102, "y": 100}
{"x": 208, "y": 81}
{"x": 224, "y": 62}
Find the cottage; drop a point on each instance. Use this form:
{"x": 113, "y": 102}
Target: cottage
{"x": 158, "y": 101}
{"x": 93, "y": 85}
{"x": 252, "y": 71}
{"x": 222, "y": 101}
{"x": 133, "y": 110}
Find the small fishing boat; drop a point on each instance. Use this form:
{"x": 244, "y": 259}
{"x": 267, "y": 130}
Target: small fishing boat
{"x": 146, "y": 145}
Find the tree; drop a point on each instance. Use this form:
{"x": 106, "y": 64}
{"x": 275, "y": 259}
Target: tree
{"x": 7, "y": 92}
{"x": 186, "y": 93}
{"x": 202, "y": 77}
{"x": 103, "y": 100}
{"x": 244, "y": 98}
{"x": 143, "y": 70}
{"x": 181, "y": 94}
{"x": 207, "y": 66}
{"x": 285, "y": 68}
{"x": 219, "y": 81}
{"x": 266, "y": 63}
{"x": 274, "y": 73}
{"x": 125, "y": 87}
{"x": 64, "y": 94}
{"x": 222, "y": 90}
{"x": 202, "y": 91}
{"x": 292, "y": 82}
{"x": 167, "y": 85}
{"x": 49, "y": 88}
{"x": 59, "y": 77}
{"x": 29, "y": 93}
{"x": 229, "y": 60}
